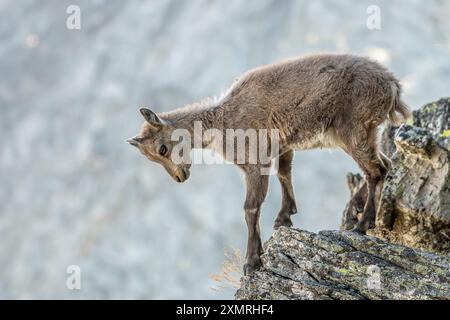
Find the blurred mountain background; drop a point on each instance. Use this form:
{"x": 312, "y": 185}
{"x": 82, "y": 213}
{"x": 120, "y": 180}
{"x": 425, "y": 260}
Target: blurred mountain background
{"x": 72, "y": 192}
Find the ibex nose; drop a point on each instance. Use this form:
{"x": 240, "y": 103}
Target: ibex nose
{"x": 133, "y": 141}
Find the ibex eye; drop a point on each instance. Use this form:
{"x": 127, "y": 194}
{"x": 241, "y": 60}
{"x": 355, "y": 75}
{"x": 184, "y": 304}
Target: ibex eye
{"x": 162, "y": 150}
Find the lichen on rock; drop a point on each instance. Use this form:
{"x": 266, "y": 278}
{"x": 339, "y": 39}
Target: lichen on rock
{"x": 344, "y": 265}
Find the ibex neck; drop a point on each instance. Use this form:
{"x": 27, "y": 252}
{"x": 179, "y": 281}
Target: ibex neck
{"x": 206, "y": 114}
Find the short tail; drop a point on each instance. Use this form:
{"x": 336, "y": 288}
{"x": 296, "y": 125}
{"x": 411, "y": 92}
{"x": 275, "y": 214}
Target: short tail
{"x": 399, "y": 111}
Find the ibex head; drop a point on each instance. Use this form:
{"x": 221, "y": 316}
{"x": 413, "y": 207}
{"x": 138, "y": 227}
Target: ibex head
{"x": 154, "y": 141}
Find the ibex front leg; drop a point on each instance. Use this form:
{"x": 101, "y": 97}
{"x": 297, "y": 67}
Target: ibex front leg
{"x": 256, "y": 192}
{"x": 288, "y": 206}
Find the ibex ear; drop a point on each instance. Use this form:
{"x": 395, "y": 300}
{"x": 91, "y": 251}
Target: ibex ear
{"x": 151, "y": 118}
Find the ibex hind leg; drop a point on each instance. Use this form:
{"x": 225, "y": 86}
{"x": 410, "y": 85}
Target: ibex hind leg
{"x": 362, "y": 147}
{"x": 355, "y": 206}
{"x": 358, "y": 201}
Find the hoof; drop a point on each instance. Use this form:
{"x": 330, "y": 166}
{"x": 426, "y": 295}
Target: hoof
{"x": 347, "y": 226}
{"x": 350, "y": 218}
{"x": 359, "y": 230}
{"x": 252, "y": 266}
{"x": 364, "y": 225}
{"x": 282, "y": 222}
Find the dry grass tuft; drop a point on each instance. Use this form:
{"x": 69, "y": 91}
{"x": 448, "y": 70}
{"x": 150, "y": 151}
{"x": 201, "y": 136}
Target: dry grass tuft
{"x": 228, "y": 278}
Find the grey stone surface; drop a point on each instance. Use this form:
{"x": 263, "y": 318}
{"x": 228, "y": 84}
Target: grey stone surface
{"x": 434, "y": 117}
{"x": 343, "y": 265}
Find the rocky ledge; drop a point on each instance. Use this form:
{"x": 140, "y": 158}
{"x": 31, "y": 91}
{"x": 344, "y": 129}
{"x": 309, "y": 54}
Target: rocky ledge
{"x": 344, "y": 265}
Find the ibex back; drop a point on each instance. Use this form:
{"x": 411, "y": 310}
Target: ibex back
{"x": 317, "y": 101}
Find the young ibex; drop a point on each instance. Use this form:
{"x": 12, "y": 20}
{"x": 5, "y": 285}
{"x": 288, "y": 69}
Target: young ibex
{"x": 317, "y": 101}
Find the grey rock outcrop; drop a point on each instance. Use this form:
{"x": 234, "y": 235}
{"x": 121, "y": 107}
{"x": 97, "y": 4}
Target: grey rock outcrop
{"x": 344, "y": 265}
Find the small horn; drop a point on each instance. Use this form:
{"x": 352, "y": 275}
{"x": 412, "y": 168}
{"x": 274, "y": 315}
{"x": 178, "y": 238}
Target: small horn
{"x": 151, "y": 118}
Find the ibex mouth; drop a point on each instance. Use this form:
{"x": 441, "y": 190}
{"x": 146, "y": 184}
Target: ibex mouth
{"x": 182, "y": 175}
